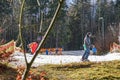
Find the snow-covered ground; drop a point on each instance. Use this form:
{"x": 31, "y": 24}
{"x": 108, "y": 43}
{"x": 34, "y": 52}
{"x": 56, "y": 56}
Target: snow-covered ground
{"x": 67, "y": 57}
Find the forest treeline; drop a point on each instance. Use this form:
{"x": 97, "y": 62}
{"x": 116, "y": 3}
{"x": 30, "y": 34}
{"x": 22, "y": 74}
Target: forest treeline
{"x": 101, "y": 17}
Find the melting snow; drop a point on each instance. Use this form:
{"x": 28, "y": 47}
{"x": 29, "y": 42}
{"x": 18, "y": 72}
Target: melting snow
{"x": 67, "y": 57}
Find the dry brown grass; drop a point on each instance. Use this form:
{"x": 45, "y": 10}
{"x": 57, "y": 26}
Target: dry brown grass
{"x": 74, "y": 71}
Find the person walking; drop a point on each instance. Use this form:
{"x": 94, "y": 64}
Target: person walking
{"x": 87, "y": 45}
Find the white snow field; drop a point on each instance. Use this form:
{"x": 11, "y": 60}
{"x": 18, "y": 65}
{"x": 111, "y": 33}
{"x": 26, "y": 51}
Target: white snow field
{"x": 66, "y": 57}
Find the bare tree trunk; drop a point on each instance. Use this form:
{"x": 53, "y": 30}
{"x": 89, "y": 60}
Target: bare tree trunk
{"x": 56, "y": 38}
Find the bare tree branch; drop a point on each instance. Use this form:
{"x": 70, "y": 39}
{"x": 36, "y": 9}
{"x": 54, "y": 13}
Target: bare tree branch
{"x": 38, "y": 2}
{"x": 20, "y": 29}
{"x": 60, "y": 1}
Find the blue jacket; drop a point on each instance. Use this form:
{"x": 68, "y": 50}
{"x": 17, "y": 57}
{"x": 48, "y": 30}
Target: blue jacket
{"x": 94, "y": 50}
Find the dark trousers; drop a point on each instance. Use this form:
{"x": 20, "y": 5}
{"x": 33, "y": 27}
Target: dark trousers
{"x": 86, "y": 54}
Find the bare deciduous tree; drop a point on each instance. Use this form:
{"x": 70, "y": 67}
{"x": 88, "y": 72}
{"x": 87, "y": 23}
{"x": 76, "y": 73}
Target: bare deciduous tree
{"x": 28, "y": 65}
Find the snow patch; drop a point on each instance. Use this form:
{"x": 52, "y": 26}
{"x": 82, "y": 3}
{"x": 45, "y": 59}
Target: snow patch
{"x": 67, "y": 57}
